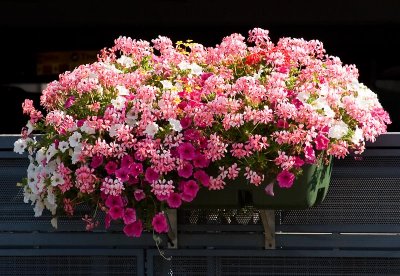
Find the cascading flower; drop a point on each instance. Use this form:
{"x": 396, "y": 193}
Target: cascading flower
{"x": 149, "y": 125}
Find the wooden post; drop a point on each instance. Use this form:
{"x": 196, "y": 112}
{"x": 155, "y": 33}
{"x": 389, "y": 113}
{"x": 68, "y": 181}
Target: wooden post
{"x": 268, "y": 221}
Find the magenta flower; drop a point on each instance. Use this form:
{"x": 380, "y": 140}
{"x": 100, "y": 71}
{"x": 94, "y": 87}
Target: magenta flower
{"x": 151, "y": 175}
{"x": 159, "y": 223}
{"x": 285, "y": 179}
{"x": 282, "y": 124}
{"x": 190, "y": 188}
{"x": 122, "y": 174}
{"x": 114, "y": 201}
{"x": 136, "y": 169}
{"x": 134, "y": 229}
{"x": 321, "y": 142}
{"x": 111, "y": 167}
{"x": 174, "y": 200}
{"x": 129, "y": 215}
{"x": 202, "y": 177}
{"x": 69, "y": 102}
{"x": 186, "y": 151}
{"x": 186, "y": 170}
{"x": 80, "y": 122}
{"x": 269, "y": 189}
{"x": 187, "y": 197}
{"x": 298, "y": 162}
{"x": 191, "y": 134}
{"x": 161, "y": 197}
{"x": 309, "y": 154}
{"x": 97, "y": 160}
{"x": 139, "y": 194}
{"x": 200, "y": 161}
{"x": 126, "y": 161}
{"x": 116, "y": 212}
{"x": 186, "y": 122}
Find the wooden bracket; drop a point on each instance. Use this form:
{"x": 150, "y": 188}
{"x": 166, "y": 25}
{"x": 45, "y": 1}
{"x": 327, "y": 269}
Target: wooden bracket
{"x": 173, "y": 228}
{"x": 268, "y": 221}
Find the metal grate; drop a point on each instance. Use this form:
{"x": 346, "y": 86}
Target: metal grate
{"x": 368, "y": 161}
{"x": 244, "y": 216}
{"x": 256, "y": 265}
{"x": 68, "y": 265}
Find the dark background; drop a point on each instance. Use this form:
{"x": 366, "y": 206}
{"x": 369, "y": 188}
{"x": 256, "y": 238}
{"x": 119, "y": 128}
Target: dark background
{"x": 365, "y": 33}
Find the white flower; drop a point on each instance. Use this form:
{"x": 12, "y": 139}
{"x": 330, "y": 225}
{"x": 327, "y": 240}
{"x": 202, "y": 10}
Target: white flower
{"x": 329, "y": 112}
{"x": 167, "y": 84}
{"x": 119, "y": 102}
{"x": 54, "y": 222}
{"x": 113, "y": 129}
{"x": 74, "y": 139}
{"x": 151, "y": 129}
{"x": 76, "y": 154}
{"x": 131, "y": 118}
{"x": 338, "y": 130}
{"x": 41, "y": 155}
{"x": 303, "y": 96}
{"x": 51, "y": 207}
{"x": 20, "y": 146}
{"x": 63, "y": 146}
{"x": 176, "y": 125}
{"x": 32, "y": 168}
{"x": 50, "y": 196}
{"x": 51, "y": 151}
{"x": 38, "y": 209}
{"x": 122, "y": 90}
{"x": 30, "y": 127}
{"x": 357, "y": 136}
{"x": 56, "y": 179}
{"x": 87, "y": 129}
{"x": 196, "y": 69}
{"x": 125, "y": 61}
{"x": 184, "y": 65}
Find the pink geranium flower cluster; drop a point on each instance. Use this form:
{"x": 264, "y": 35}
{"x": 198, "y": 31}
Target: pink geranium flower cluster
{"x": 148, "y": 125}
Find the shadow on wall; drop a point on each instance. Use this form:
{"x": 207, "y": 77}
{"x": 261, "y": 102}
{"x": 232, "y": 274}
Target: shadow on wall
{"x": 12, "y": 119}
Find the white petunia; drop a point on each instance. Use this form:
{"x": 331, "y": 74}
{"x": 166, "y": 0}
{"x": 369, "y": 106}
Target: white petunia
{"x": 196, "y": 69}
{"x": 167, "y": 84}
{"x": 74, "y": 139}
{"x": 303, "y": 96}
{"x": 113, "y": 129}
{"x": 131, "y": 118}
{"x": 184, "y": 65}
{"x": 357, "y": 136}
{"x": 51, "y": 151}
{"x": 20, "y": 146}
{"x": 63, "y": 146}
{"x": 54, "y": 222}
{"x": 38, "y": 209}
{"x": 122, "y": 90}
{"x": 56, "y": 179}
{"x": 151, "y": 129}
{"x": 119, "y": 102}
{"x": 125, "y": 61}
{"x": 338, "y": 130}
{"x": 87, "y": 129}
{"x": 41, "y": 155}
{"x": 176, "y": 125}
{"x": 76, "y": 154}
{"x": 30, "y": 127}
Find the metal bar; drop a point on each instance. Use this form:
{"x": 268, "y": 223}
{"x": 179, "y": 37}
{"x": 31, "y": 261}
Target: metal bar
{"x": 72, "y": 252}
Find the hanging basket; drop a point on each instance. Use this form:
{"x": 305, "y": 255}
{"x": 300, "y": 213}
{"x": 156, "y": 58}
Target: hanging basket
{"x": 308, "y": 190}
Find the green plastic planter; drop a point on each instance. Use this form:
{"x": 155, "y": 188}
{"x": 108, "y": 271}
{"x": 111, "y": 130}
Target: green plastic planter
{"x": 308, "y": 190}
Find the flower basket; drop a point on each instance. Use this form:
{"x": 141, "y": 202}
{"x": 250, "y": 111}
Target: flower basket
{"x": 308, "y": 190}
{"x": 149, "y": 127}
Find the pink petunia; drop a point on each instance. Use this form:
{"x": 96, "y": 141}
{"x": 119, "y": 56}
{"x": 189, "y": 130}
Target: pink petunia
{"x": 269, "y": 189}
{"x": 174, "y": 200}
{"x": 97, "y": 160}
{"x": 134, "y": 229}
{"x": 200, "y": 161}
{"x": 151, "y": 175}
{"x": 116, "y": 212}
{"x": 321, "y": 142}
{"x": 129, "y": 215}
{"x": 186, "y": 151}
{"x": 285, "y": 179}
{"x": 309, "y": 154}
{"x": 202, "y": 177}
{"x": 159, "y": 223}
{"x": 186, "y": 122}
{"x": 298, "y": 162}
{"x": 190, "y": 188}
{"x": 122, "y": 174}
{"x": 186, "y": 170}
{"x": 136, "y": 169}
{"x": 69, "y": 102}
{"x": 139, "y": 195}
{"x": 111, "y": 167}
{"x": 114, "y": 201}
{"x": 126, "y": 161}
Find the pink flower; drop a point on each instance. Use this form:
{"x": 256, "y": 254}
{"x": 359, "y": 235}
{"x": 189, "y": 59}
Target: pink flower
{"x": 269, "y": 189}
{"x": 309, "y": 154}
{"x": 321, "y": 142}
{"x": 122, "y": 174}
{"x": 186, "y": 122}
{"x": 191, "y": 134}
{"x": 136, "y": 169}
{"x": 126, "y": 161}
{"x": 134, "y": 229}
{"x": 151, "y": 175}
{"x": 282, "y": 124}
{"x": 111, "y": 167}
{"x": 97, "y": 160}
{"x": 129, "y": 216}
{"x": 202, "y": 177}
{"x": 200, "y": 161}
{"x": 190, "y": 188}
{"x": 285, "y": 179}
{"x": 298, "y": 162}
{"x": 186, "y": 151}
{"x": 186, "y": 170}
{"x": 174, "y": 200}
{"x": 139, "y": 194}
{"x": 116, "y": 212}
{"x": 114, "y": 201}
{"x": 69, "y": 102}
{"x": 159, "y": 223}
